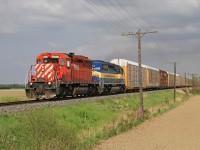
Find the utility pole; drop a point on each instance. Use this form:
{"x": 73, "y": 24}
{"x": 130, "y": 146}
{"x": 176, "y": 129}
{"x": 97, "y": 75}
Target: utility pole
{"x": 175, "y": 63}
{"x": 186, "y": 84}
{"x": 139, "y": 35}
{"x": 174, "y": 82}
{"x": 193, "y": 80}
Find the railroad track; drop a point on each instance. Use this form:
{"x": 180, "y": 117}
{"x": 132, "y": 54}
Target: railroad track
{"x": 18, "y": 106}
{"x": 23, "y": 102}
{"x": 20, "y": 102}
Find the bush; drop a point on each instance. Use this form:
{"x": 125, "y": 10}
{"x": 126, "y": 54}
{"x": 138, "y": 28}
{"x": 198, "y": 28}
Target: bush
{"x": 195, "y": 91}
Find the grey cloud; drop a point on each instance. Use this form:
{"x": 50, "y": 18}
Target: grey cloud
{"x": 28, "y": 28}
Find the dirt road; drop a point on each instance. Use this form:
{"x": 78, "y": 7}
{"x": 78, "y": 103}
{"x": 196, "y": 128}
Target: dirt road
{"x": 178, "y": 129}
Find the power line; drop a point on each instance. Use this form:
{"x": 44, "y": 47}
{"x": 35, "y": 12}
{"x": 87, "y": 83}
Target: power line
{"x": 140, "y": 12}
{"x": 116, "y": 16}
{"x": 103, "y": 12}
{"x": 121, "y": 13}
{"x": 108, "y": 15}
{"x": 99, "y": 16}
{"x": 127, "y": 12}
{"x": 112, "y": 17}
{"x": 174, "y": 63}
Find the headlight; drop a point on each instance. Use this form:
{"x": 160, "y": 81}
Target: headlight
{"x": 31, "y": 83}
{"x": 49, "y": 83}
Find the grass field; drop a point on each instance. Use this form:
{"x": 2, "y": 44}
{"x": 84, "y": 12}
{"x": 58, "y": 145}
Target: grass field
{"x": 79, "y": 126}
{"x": 12, "y": 95}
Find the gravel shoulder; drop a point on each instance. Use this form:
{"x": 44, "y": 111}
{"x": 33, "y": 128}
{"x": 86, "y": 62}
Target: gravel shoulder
{"x": 174, "y": 130}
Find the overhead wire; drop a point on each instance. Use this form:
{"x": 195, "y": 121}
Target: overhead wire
{"x": 113, "y": 13}
{"x": 127, "y": 12}
{"x": 115, "y": 5}
{"x": 113, "y": 17}
{"x": 150, "y": 37}
{"x": 117, "y": 28}
{"x": 105, "y": 13}
{"x": 140, "y": 12}
{"x": 142, "y": 15}
{"x": 119, "y": 16}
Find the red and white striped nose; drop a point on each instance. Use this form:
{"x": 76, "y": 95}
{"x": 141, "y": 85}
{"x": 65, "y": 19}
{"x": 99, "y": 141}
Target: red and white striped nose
{"x": 45, "y": 71}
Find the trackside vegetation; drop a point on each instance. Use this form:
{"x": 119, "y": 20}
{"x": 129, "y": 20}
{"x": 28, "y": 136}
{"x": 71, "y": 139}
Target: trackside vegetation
{"x": 82, "y": 125}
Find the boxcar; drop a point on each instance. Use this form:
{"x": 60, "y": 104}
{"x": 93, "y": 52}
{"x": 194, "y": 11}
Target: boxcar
{"x": 189, "y": 82}
{"x": 182, "y": 81}
{"x": 152, "y": 77}
{"x": 131, "y": 73}
{"x": 178, "y": 80}
{"x": 163, "y": 79}
{"x": 170, "y": 79}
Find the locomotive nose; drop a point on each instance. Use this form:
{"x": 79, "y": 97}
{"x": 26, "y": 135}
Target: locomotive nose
{"x": 45, "y": 72}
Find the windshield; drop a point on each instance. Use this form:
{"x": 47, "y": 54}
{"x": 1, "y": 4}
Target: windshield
{"x": 48, "y": 60}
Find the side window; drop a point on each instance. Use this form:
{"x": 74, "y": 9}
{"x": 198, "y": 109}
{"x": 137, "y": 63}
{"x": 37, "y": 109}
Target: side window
{"x": 62, "y": 62}
{"x": 39, "y": 61}
{"x": 55, "y": 60}
{"x": 117, "y": 70}
{"x": 68, "y": 63}
{"x": 121, "y": 71}
{"x": 112, "y": 69}
{"x": 87, "y": 63}
{"x": 104, "y": 67}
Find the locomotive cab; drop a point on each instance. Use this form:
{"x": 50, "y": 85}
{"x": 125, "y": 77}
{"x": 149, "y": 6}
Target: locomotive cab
{"x": 44, "y": 77}
{"x": 109, "y": 76}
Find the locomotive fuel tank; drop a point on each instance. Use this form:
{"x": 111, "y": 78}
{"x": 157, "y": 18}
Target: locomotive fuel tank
{"x": 80, "y": 91}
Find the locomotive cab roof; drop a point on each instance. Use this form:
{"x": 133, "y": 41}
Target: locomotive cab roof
{"x": 52, "y": 55}
{"x": 71, "y": 56}
{"x": 104, "y": 62}
{"x": 78, "y": 58}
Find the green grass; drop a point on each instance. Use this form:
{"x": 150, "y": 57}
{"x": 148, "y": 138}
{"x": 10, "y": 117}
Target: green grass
{"x": 35, "y": 130}
{"x": 78, "y": 126}
{"x": 159, "y": 98}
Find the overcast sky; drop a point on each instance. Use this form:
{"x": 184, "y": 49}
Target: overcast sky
{"x": 93, "y": 28}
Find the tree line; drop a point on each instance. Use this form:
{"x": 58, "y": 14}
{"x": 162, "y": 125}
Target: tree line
{"x": 11, "y": 86}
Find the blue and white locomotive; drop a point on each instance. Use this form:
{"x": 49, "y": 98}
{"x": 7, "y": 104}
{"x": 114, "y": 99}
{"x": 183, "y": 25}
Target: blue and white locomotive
{"x": 109, "y": 76}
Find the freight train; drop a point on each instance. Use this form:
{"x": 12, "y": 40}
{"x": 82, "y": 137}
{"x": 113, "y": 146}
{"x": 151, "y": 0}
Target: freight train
{"x": 152, "y": 78}
{"x": 59, "y": 75}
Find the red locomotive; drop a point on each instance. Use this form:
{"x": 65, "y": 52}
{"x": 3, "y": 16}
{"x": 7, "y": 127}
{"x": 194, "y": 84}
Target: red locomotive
{"x": 59, "y": 75}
